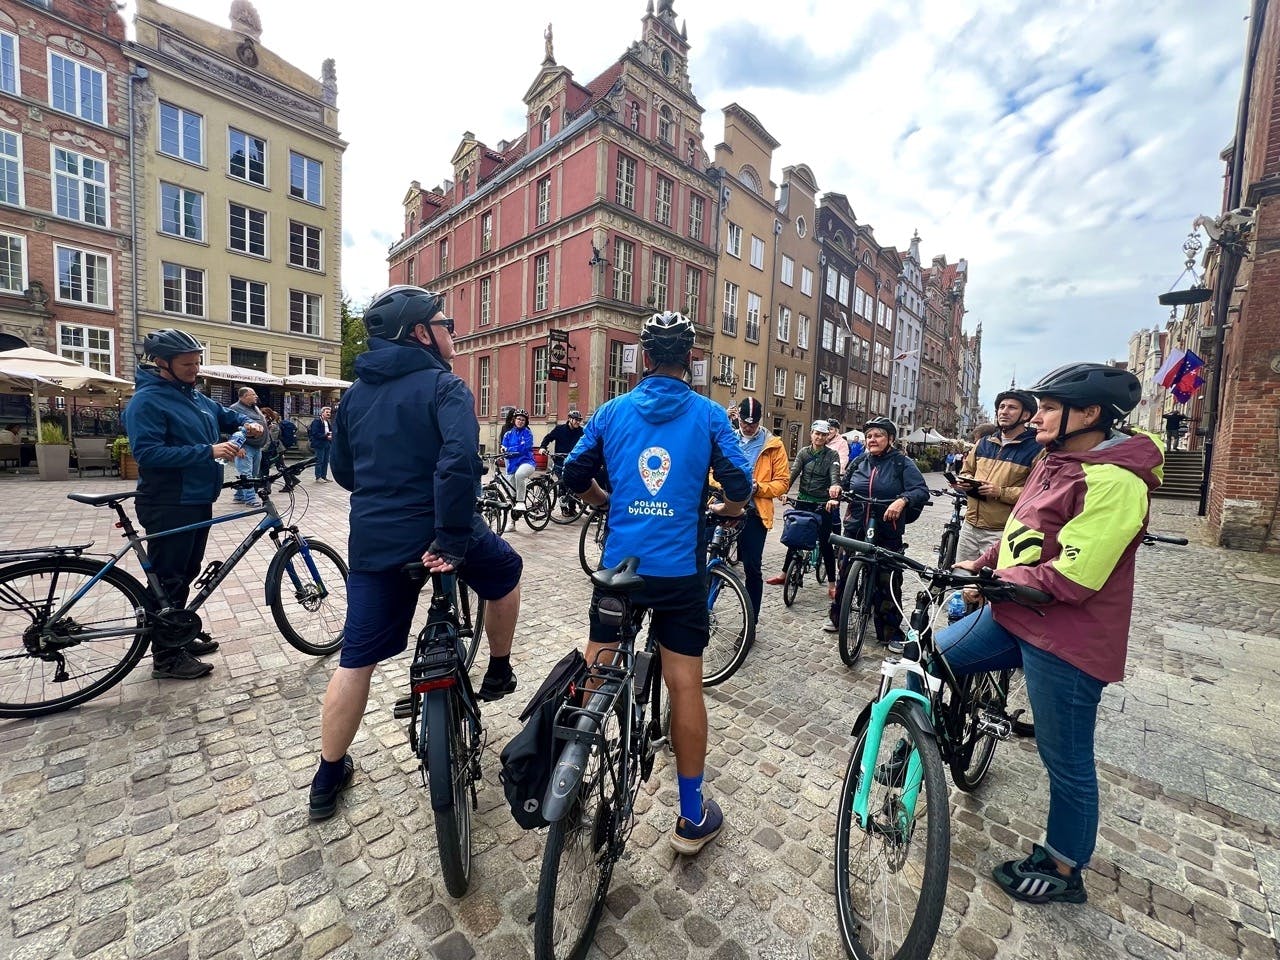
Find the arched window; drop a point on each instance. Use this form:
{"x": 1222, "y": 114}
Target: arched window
{"x": 839, "y": 239}
{"x": 466, "y": 182}
{"x": 544, "y": 125}
{"x": 751, "y": 180}
{"x": 665, "y": 126}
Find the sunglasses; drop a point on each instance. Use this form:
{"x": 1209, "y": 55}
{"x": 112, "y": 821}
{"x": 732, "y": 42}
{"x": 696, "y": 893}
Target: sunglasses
{"x": 446, "y": 322}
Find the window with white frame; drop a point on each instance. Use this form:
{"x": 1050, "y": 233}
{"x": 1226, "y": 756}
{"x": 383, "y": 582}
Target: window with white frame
{"x": 802, "y": 386}
{"x": 248, "y": 232}
{"x": 859, "y": 302}
{"x": 13, "y": 263}
{"x": 77, "y": 88}
{"x": 692, "y": 292}
{"x": 752, "y": 329}
{"x": 837, "y": 390}
{"x": 733, "y": 242}
{"x": 726, "y": 369}
{"x": 306, "y": 313}
{"x": 10, "y": 168}
{"x": 697, "y": 208}
{"x": 486, "y": 231}
{"x": 544, "y": 125}
{"x": 784, "y": 324}
{"x": 544, "y": 200}
{"x": 844, "y": 289}
{"x": 90, "y": 346}
{"x": 486, "y": 300}
{"x": 411, "y": 271}
{"x": 729, "y": 321}
{"x": 8, "y": 63}
{"x": 541, "y": 275}
{"x": 616, "y": 385}
{"x": 661, "y": 275}
{"x": 624, "y": 185}
{"x": 665, "y": 126}
{"x": 485, "y": 386}
{"x": 802, "y": 331}
{"x": 779, "y": 381}
{"x": 83, "y": 276}
{"x": 247, "y": 157}
{"x": 624, "y": 258}
{"x": 79, "y": 187}
{"x": 749, "y": 371}
{"x": 304, "y": 366}
{"x": 788, "y": 274}
{"x": 833, "y": 282}
{"x": 249, "y": 359}
{"x": 183, "y": 289}
{"x": 662, "y": 200}
{"x": 828, "y": 335}
{"x": 181, "y": 133}
{"x": 306, "y": 178}
{"x": 540, "y": 372}
{"x": 248, "y": 302}
{"x": 181, "y": 212}
{"x": 806, "y": 281}
{"x": 305, "y": 242}
{"x": 757, "y": 252}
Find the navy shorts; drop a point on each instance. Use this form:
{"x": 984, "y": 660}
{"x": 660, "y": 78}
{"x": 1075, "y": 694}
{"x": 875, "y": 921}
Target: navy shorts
{"x": 678, "y": 616}
{"x": 381, "y": 604}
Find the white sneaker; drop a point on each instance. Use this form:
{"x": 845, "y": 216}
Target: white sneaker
{"x": 518, "y": 509}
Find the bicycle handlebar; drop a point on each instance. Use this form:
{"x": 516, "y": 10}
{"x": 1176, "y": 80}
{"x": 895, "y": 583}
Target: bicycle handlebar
{"x": 287, "y": 474}
{"x": 1149, "y": 538}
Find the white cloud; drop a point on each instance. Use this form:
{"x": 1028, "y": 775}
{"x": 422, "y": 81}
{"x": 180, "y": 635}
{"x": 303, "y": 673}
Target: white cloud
{"x": 1064, "y": 150}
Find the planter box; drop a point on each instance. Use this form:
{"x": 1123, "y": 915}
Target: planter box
{"x": 128, "y": 467}
{"x": 53, "y": 460}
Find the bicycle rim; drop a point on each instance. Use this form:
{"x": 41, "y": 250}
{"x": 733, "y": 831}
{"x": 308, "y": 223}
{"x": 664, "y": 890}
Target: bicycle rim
{"x": 591, "y": 542}
{"x": 793, "y": 578}
{"x": 310, "y": 608}
{"x": 449, "y": 756}
{"x": 891, "y": 877}
{"x": 537, "y": 503}
{"x": 577, "y": 863}
{"x": 732, "y": 623}
{"x": 980, "y": 694}
{"x": 29, "y": 592}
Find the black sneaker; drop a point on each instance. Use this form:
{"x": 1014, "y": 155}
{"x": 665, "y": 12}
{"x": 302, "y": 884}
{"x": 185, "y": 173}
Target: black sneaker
{"x": 324, "y": 803}
{"x": 203, "y": 644}
{"x": 1037, "y": 880}
{"x": 496, "y": 687}
{"x": 179, "y": 666}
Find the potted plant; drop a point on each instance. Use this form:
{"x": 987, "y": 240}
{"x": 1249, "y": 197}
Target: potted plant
{"x": 127, "y": 466}
{"x": 53, "y": 453}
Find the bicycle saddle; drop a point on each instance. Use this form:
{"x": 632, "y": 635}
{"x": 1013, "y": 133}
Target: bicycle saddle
{"x": 101, "y": 499}
{"x": 620, "y": 579}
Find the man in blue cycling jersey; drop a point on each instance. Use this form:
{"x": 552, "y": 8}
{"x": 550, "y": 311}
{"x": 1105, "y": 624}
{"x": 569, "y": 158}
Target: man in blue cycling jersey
{"x": 658, "y": 443}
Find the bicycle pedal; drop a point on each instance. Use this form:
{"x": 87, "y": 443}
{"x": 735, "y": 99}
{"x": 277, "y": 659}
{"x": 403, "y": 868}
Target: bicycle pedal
{"x": 403, "y": 709}
{"x": 995, "y": 725}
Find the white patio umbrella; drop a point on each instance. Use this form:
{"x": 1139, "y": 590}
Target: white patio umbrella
{"x": 930, "y": 436}
{"x": 310, "y": 381}
{"x": 31, "y": 367}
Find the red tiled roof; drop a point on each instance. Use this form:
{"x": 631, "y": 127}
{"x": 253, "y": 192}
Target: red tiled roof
{"x": 604, "y": 83}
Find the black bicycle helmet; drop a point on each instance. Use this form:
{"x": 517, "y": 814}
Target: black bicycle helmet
{"x": 395, "y": 312}
{"x": 1026, "y": 400}
{"x": 1082, "y": 385}
{"x": 667, "y": 337}
{"x": 882, "y": 423}
{"x": 164, "y": 344}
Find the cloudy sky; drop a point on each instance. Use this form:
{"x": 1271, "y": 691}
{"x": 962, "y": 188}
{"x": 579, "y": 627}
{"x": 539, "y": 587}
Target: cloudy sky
{"x": 1063, "y": 149}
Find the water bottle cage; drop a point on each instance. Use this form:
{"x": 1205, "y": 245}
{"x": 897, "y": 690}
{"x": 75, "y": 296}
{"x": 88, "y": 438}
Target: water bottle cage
{"x": 209, "y": 573}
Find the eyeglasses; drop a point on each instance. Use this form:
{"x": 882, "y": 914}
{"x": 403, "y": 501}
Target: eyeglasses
{"x": 446, "y": 322}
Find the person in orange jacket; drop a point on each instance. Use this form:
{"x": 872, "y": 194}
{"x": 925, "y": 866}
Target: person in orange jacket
{"x": 770, "y": 478}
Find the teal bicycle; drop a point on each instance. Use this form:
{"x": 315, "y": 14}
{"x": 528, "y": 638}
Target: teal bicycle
{"x": 893, "y": 831}
{"x": 72, "y": 625}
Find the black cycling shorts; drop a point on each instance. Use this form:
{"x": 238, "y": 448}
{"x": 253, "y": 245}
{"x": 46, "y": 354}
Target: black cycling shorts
{"x": 678, "y": 616}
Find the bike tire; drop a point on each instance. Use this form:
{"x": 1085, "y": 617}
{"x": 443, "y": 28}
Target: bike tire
{"x": 567, "y": 509}
{"x": 470, "y": 607}
{"x": 97, "y": 665}
{"x": 496, "y": 514}
{"x": 862, "y": 885}
{"x": 855, "y": 614}
{"x": 324, "y": 632}
{"x": 947, "y": 549}
{"x": 448, "y": 757}
{"x": 537, "y": 502}
{"x": 819, "y": 566}
{"x": 732, "y": 626}
{"x": 979, "y": 693}
{"x": 591, "y": 542}
{"x": 793, "y": 575}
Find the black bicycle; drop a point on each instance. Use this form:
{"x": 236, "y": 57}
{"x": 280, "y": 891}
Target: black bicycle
{"x": 445, "y": 731}
{"x": 566, "y": 506}
{"x": 592, "y": 538}
{"x": 857, "y": 588}
{"x": 606, "y": 750}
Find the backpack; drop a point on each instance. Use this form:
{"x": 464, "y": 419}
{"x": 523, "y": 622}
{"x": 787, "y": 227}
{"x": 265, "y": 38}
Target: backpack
{"x": 529, "y": 758}
{"x": 800, "y": 529}
{"x": 288, "y": 434}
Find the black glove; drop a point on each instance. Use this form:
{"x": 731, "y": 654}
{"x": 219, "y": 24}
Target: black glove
{"x": 453, "y": 560}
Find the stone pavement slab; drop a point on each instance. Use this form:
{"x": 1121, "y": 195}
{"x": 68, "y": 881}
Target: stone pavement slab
{"x": 169, "y": 819}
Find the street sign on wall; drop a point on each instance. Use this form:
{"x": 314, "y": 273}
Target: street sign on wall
{"x": 558, "y": 355}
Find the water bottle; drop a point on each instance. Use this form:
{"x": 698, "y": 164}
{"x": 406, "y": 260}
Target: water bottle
{"x": 238, "y": 438}
{"x": 956, "y": 607}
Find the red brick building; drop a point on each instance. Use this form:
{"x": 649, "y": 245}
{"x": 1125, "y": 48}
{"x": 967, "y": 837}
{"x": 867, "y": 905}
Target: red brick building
{"x": 940, "y": 398}
{"x": 64, "y": 180}
{"x": 600, "y": 212}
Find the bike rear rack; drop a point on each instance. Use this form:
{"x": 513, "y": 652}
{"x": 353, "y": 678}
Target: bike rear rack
{"x": 39, "y": 553}
{"x": 608, "y": 679}
{"x": 435, "y": 664}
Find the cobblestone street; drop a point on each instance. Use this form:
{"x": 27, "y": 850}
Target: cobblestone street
{"x": 168, "y": 819}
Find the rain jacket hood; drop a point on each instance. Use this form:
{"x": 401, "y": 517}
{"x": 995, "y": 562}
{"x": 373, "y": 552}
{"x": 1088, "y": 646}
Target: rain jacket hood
{"x": 660, "y": 399}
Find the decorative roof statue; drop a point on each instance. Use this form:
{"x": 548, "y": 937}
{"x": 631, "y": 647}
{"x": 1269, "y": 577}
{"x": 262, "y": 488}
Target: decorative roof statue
{"x": 329, "y": 81}
{"x": 245, "y": 19}
{"x": 550, "y": 58}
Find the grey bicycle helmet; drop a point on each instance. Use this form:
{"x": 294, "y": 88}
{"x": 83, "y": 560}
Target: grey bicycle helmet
{"x": 396, "y": 311}
{"x": 667, "y": 337}
{"x": 165, "y": 344}
{"x": 881, "y": 423}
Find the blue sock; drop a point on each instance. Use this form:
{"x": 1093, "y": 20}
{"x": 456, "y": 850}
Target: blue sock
{"x": 691, "y": 797}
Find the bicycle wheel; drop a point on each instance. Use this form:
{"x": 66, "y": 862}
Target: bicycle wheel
{"x": 819, "y": 567}
{"x": 891, "y": 876}
{"x": 470, "y": 608}
{"x": 77, "y": 663}
{"x": 537, "y": 503}
{"x": 794, "y": 577}
{"x": 309, "y": 597}
{"x": 577, "y": 863}
{"x": 567, "y": 508}
{"x": 855, "y": 611}
{"x": 733, "y": 625}
{"x": 1018, "y": 706}
{"x": 947, "y": 549}
{"x": 591, "y": 542}
{"x": 980, "y": 694}
{"x": 449, "y": 773}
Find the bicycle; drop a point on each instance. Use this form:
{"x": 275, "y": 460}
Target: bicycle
{"x": 592, "y": 538}
{"x": 566, "y": 506}
{"x": 798, "y": 563}
{"x": 733, "y": 618}
{"x": 445, "y": 731}
{"x": 880, "y": 867}
{"x": 79, "y": 624}
{"x": 502, "y": 489}
{"x": 606, "y": 749}
{"x": 857, "y": 596}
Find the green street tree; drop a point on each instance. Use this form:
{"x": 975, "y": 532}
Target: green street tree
{"x": 354, "y": 341}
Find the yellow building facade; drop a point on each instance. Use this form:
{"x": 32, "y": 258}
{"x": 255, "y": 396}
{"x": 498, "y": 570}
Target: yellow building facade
{"x": 238, "y": 176}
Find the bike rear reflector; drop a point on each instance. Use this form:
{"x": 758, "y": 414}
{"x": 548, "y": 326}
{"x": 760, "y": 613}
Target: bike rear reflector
{"x": 439, "y": 684}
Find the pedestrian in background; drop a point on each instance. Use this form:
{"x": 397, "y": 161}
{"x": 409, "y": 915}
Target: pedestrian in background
{"x": 517, "y": 447}
{"x": 320, "y": 433}
{"x": 273, "y": 449}
{"x": 249, "y": 461}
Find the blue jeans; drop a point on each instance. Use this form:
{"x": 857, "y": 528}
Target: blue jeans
{"x": 1064, "y": 700}
{"x": 247, "y": 464}
{"x": 321, "y": 451}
